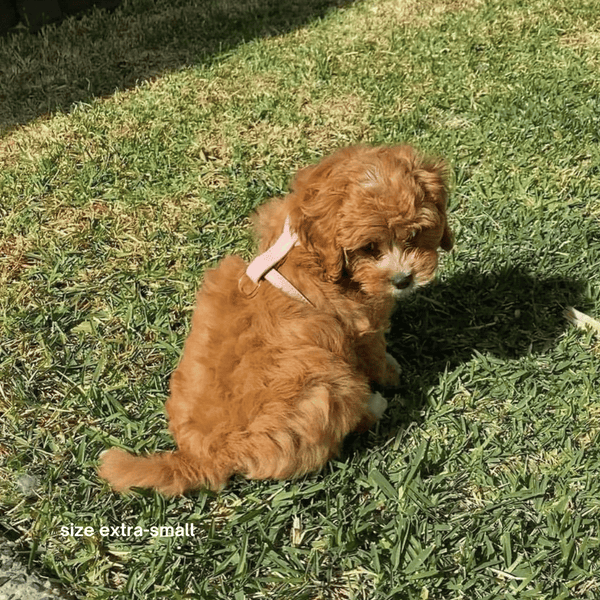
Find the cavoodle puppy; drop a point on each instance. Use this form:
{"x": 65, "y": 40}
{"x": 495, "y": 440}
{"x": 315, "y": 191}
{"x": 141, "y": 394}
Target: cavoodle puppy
{"x": 277, "y": 366}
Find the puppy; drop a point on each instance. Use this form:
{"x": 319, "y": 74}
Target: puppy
{"x": 277, "y": 366}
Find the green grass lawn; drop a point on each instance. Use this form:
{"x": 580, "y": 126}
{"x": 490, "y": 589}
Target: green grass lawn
{"x": 483, "y": 478}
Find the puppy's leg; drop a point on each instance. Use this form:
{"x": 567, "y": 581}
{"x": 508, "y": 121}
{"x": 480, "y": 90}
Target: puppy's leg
{"x": 393, "y": 371}
{"x": 279, "y": 445}
{"x": 285, "y": 440}
{"x": 379, "y": 366}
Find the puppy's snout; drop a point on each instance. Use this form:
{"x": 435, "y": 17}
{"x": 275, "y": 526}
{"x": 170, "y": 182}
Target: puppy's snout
{"x": 402, "y": 280}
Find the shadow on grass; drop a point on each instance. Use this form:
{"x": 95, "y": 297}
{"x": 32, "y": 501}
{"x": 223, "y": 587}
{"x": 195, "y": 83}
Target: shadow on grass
{"x": 504, "y": 315}
{"x": 93, "y": 56}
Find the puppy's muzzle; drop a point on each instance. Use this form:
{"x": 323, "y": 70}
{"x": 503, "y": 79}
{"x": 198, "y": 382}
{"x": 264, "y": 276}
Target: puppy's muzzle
{"x": 401, "y": 281}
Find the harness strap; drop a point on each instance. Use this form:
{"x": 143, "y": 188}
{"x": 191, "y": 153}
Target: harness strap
{"x": 263, "y": 266}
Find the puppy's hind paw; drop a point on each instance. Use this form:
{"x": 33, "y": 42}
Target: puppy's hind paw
{"x": 393, "y": 363}
{"x": 392, "y": 371}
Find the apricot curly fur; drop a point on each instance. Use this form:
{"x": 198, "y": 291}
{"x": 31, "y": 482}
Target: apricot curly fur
{"x": 268, "y": 387}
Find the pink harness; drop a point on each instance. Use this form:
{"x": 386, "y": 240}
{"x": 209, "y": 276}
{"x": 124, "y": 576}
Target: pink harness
{"x": 263, "y": 266}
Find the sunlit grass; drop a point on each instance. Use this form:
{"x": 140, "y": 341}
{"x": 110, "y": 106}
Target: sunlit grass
{"x": 482, "y": 479}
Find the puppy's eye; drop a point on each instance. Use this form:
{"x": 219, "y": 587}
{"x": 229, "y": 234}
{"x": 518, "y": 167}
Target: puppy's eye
{"x": 371, "y": 249}
{"x": 411, "y": 236}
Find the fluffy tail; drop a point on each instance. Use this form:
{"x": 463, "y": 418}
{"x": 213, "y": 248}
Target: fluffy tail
{"x": 171, "y": 473}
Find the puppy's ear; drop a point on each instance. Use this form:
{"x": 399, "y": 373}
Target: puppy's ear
{"x": 432, "y": 176}
{"x": 315, "y": 202}
{"x": 447, "y": 242}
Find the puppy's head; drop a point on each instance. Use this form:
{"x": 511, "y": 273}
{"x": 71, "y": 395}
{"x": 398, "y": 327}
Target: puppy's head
{"x": 374, "y": 216}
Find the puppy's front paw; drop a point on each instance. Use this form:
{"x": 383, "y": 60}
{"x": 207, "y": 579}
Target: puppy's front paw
{"x": 377, "y": 405}
{"x": 392, "y": 371}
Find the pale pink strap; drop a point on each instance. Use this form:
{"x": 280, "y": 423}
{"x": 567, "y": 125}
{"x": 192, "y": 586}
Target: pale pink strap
{"x": 263, "y": 266}
{"x": 279, "y": 281}
{"x": 267, "y": 260}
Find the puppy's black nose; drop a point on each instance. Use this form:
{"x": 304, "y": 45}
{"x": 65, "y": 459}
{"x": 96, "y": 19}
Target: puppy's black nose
{"x": 402, "y": 280}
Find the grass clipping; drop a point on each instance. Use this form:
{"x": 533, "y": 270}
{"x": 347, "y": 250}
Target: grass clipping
{"x": 581, "y": 320}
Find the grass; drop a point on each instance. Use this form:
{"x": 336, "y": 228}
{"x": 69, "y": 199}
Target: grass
{"x": 482, "y": 480}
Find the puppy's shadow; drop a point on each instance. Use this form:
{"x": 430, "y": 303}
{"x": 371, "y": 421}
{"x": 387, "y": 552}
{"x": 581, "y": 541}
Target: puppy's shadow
{"x": 507, "y": 314}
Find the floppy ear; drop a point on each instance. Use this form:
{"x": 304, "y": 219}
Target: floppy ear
{"x": 316, "y": 200}
{"x": 432, "y": 177}
{"x": 447, "y": 242}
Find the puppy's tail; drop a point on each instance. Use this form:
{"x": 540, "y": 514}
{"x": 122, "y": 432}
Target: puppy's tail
{"x": 171, "y": 473}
